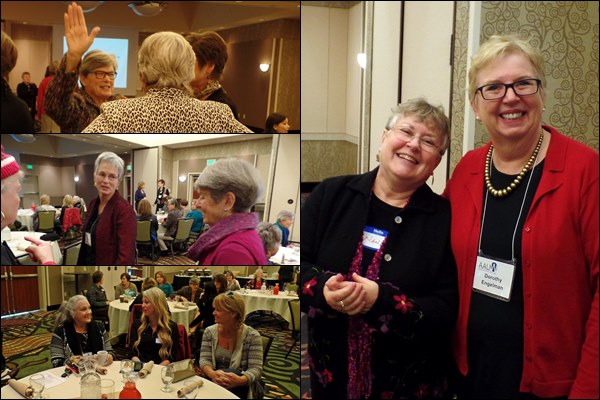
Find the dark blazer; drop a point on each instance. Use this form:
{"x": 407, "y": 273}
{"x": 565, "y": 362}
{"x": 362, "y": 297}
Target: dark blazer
{"x": 417, "y": 263}
{"x": 115, "y": 233}
{"x": 221, "y": 96}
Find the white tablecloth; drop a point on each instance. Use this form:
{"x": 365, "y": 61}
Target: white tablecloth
{"x": 25, "y": 217}
{"x": 149, "y": 387}
{"x": 18, "y": 238}
{"x": 118, "y": 315}
{"x": 292, "y": 256}
{"x": 256, "y": 300}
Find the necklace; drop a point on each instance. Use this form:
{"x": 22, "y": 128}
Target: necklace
{"x": 506, "y": 191}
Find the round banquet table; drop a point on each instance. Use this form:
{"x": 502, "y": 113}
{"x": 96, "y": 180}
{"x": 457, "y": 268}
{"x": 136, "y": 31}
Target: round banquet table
{"x": 25, "y": 217}
{"x": 257, "y": 300}
{"x": 18, "y": 238}
{"x": 149, "y": 387}
{"x": 118, "y": 315}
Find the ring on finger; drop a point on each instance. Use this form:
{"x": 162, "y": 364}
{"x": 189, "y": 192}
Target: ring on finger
{"x": 342, "y": 304}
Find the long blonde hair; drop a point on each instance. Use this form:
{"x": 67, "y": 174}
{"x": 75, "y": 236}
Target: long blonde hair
{"x": 158, "y": 299}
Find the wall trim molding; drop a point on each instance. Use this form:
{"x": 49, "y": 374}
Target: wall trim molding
{"x": 329, "y": 136}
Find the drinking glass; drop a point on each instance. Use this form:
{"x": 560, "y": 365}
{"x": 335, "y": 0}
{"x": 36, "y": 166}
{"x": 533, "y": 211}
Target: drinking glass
{"x": 167, "y": 374}
{"x": 126, "y": 368}
{"x": 191, "y": 390}
{"x": 36, "y": 382}
{"x": 177, "y": 298}
{"x": 107, "y": 389}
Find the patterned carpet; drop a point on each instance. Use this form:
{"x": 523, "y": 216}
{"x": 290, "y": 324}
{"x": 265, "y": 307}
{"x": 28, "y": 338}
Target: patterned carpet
{"x": 26, "y": 341}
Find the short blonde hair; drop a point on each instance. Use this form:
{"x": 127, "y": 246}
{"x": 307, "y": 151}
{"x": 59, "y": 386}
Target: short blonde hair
{"x": 499, "y": 46}
{"x": 45, "y": 199}
{"x": 68, "y": 201}
{"x": 231, "y": 302}
{"x": 166, "y": 59}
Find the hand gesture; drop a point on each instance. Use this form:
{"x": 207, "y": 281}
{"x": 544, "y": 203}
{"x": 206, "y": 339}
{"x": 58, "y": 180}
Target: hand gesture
{"x": 78, "y": 41}
{"x": 344, "y": 296}
{"x": 40, "y": 251}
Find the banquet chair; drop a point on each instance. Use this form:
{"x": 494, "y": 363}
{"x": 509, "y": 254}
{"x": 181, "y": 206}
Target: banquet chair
{"x": 143, "y": 236}
{"x": 267, "y": 341}
{"x": 46, "y": 221}
{"x": 185, "y": 350}
{"x": 294, "y": 306}
{"x": 136, "y": 313}
{"x": 291, "y": 287}
{"x": 71, "y": 254}
{"x": 184, "y": 227}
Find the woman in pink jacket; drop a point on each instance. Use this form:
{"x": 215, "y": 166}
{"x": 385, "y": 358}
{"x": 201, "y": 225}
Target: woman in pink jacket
{"x": 228, "y": 189}
{"x": 525, "y": 239}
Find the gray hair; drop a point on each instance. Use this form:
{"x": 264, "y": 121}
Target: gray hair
{"x": 425, "y": 113}
{"x": 111, "y": 159}
{"x": 194, "y": 281}
{"x": 96, "y": 59}
{"x": 285, "y": 214}
{"x": 6, "y": 182}
{"x": 67, "y": 309}
{"x": 166, "y": 59}
{"x": 270, "y": 235}
{"x": 232, "y": 175}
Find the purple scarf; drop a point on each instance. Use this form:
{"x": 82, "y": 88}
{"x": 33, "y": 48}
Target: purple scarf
{"x": 210, "y": 239}
{"x": 359, "y": 339}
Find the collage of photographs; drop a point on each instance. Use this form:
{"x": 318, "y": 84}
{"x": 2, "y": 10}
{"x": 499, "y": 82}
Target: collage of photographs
{"x": 299, "y": 200}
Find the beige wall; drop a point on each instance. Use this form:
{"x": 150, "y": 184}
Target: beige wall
{"x": 326, "y": 158}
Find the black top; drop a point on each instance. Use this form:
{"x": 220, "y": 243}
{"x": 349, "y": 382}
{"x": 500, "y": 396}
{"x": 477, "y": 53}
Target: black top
{"x": 8, "y": 258}
{"x": 410, "y": 346}
{"x": 16, "y": 117}
{"x": 495, "y": 327}
{"x": 148, "y": 348}
{"x": 28, "y": 92}
{"x": 92, "y": 223}
{"x": 221, "y": 96}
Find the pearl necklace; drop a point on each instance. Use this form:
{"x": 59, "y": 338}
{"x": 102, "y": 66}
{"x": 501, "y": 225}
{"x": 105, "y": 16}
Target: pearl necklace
{"x": 505, "y": 192}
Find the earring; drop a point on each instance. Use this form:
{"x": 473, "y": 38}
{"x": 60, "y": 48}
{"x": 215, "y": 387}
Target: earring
{"x": 432, "y": 179}
{"x": 377, "y": 157}
{"x": 477, "y": 117}
{"x": 544, "y": 109}
{"x": 225, "y": 209}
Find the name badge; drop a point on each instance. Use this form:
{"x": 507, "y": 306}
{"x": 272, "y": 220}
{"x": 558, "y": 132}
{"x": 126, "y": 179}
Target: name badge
{"x": 373, "y": 237}
{"x": 494, "y": 277}
{"x": 88, "y": 239}
{"x": 158, "y": 341}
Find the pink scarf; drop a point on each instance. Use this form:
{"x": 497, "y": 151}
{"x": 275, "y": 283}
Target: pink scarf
{"x": 210, "y": 239}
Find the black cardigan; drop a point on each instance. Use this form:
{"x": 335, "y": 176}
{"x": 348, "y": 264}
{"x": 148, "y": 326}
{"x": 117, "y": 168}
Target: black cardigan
{"x": 421, "y": 267}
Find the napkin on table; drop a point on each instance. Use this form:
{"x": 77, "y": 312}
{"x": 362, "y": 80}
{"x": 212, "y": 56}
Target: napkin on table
{"x": 147, "y": 369}
{"x": 22, "y": 388}
{"x": 187, "y": 389}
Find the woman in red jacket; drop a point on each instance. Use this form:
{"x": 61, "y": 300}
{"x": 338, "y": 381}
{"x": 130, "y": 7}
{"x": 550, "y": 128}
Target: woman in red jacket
{"x": 110, "y": 230}
{"x": 525, "y": 239}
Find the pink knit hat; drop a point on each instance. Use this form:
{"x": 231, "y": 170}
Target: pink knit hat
{"x": 9, "y": 165}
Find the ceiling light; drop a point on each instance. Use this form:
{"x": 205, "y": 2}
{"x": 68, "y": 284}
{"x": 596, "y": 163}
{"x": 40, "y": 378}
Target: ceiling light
{"x": 87, "y": 6}
{"x": 264, "y": 67}
{"x": 147, "y": 8}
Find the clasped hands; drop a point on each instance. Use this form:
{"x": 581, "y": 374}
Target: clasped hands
{"x": 350, "y": 297}
{"x": 227, "y": 379}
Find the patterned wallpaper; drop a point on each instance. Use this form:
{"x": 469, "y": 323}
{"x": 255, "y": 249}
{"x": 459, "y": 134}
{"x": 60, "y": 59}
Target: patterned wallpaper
{"x": 567, "y": 33}
{"x": 326, "y": 158}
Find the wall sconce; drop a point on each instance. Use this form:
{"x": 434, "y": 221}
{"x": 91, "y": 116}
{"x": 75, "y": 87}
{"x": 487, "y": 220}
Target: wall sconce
{"x": 182, "y": 178}
{"x": 147, "y": 8}
{"x": 361, "y": 58}
{"x": 264, "y": 67}
{"x": 76, "y": 179}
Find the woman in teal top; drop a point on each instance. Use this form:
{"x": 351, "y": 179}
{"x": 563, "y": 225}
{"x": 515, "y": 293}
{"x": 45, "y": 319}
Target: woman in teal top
{"x": 198, "y": 218}
{"x": 163, "y": 284}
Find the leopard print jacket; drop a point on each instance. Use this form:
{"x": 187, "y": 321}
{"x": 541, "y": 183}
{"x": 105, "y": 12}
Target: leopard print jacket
{"x": 165, "y": 110}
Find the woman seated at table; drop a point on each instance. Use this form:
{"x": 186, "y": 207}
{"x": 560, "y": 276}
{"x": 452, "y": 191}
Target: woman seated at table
{"x": 145, "y": 214}
{"x": 204, "y": 316}
{"x": 271, "y": 238}
{"x": 44, "y": 206}
{"x": 76, "y": 333}
{"x": 155, "y": 337}
{"x": 197, "y": 216}
{"x": 232, "y": 283}
{"x": 170, "y": 224}
{"x": 220, "y": 281}
{"x": 257, "y": 281}
{"x": 126, "y": 287}
{"x": 148, "y": 283}
{"x": 190, "y": 293}
{"x": 231, "y": 352}
{"x": 163, "y": 284}
{"x": 97, "y": 296}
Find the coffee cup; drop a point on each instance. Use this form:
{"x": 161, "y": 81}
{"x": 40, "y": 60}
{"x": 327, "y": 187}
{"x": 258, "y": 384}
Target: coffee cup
{"x": 102, "y": 356}
{"x": 122, "y": 298}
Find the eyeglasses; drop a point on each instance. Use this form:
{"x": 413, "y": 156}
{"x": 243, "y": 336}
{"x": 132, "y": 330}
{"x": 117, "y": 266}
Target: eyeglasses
{"x": 110, "y": 177}
{"x": 102, "y": 74}
{"x": 230, "y": 293}
{"x": 426, "y": 143}
{"x": 524, "y": 87}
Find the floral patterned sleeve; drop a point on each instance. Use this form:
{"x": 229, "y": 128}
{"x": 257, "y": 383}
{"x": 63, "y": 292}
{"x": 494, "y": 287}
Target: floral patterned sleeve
{"x": 63, "y": 104}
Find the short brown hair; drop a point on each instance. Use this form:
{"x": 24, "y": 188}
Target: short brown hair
{"x": 209, "y": 47}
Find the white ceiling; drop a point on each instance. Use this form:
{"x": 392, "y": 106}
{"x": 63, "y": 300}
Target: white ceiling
{"x": 178, "y": 16}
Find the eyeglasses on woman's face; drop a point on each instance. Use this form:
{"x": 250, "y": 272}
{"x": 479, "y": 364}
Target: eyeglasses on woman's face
{"x": 523, "y": 87}
{"x": 102, "y": 74}
{"x": 428, "y": 143}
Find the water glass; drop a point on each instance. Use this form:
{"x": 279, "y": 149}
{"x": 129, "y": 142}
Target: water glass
{"x": 107, "y": 387}
{"x": 167, "y": 374}
{"x": 37, "y": 383}
{"x": 126, "y": 369}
